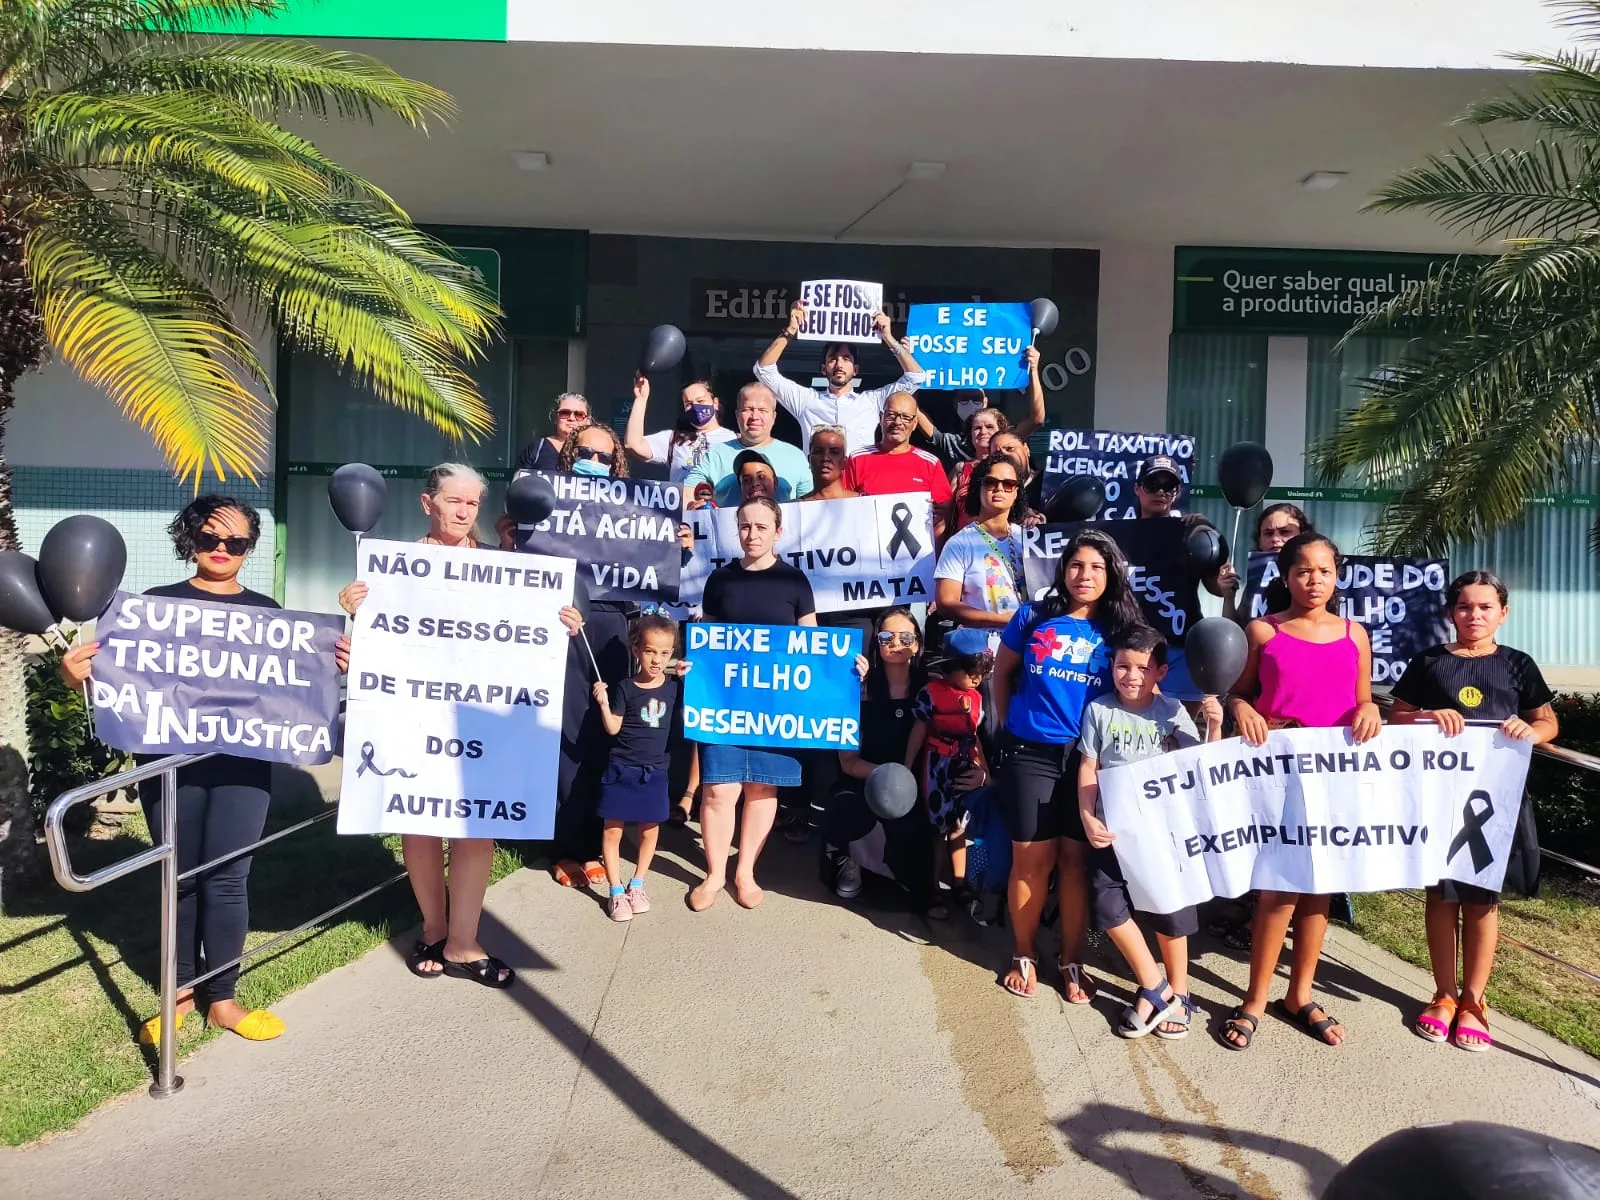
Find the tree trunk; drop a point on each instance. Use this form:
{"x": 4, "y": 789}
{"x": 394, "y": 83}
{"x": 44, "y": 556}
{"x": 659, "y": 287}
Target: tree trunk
{"x": 22, "y": 349}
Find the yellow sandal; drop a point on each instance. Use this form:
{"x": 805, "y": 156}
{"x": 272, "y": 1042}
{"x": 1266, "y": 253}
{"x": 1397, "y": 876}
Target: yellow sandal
{"x": 259, "y": 1025}
{"x": 150, "y": 1031}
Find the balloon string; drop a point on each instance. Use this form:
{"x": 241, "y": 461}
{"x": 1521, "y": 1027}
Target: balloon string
{"x": 593, "y": 661}
{"x": 1233, "y": 547}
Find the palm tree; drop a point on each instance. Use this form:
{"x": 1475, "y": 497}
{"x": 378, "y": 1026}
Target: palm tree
{"x": 1499, "y": 397}
{"x": 152, "y": 211}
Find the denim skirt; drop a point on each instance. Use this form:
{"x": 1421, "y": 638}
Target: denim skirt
{"x": 740, "y": 764}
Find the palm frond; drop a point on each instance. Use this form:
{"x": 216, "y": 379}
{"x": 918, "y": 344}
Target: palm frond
{"x": 1543, "y": 190}
{"x": 168, "y": 354}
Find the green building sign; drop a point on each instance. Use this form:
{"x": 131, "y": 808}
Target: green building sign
{"x": 1229, "y": 290}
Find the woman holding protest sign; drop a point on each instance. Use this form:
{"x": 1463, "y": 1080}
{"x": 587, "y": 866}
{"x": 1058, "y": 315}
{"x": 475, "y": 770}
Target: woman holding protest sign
{"x": 1052, "y": 661}
{"x": 686, "y": 443}
{"x": 1474, "y": 678}
{"x": 222, "y": 801}
{"x": 1309, "y": 668}
{"x": 452, "y": 496}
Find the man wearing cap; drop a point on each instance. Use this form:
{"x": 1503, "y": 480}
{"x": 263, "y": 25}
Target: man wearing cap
{"x": 1156, "y": 488}
{"x": 838, "y": 404}
{"x": 756, "y": 477}
{"x": 753, "y": 417}
{"x": 895, "y": 465}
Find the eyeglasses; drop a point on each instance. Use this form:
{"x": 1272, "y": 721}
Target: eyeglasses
{"x": 572, "y": 414}
{"x": 887, "y": 637}
{"x": 592, "y": 455}
{"x": 1001, "y": 485}
{"x": 899, "y": 418}
{"x": 208, "y": 542}
{"x": 1164, "y": 488}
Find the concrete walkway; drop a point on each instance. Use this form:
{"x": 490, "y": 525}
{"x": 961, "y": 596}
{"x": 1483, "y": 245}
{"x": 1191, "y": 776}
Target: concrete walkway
{"x": 806, "y": 1049}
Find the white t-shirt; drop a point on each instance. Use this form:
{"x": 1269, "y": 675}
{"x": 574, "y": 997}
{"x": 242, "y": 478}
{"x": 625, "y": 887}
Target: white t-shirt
{"x": 685, "y": 455}
{"x": 986, "y": 568}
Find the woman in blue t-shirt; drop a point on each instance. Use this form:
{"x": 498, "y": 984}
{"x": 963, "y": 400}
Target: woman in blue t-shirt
{"x": 1052, "y": 661}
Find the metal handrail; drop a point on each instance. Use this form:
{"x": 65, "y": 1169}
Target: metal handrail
{"x": 164, "y": 852}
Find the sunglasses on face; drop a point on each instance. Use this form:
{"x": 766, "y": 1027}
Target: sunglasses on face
{"x": 1163, "y": 488}
{"x": 206, "y": 543}
{"x": 572, "y": 414}
{"x": 590, "y": 454}
{"x": 1000, "y": 485}
{"x": 888, "y": 637}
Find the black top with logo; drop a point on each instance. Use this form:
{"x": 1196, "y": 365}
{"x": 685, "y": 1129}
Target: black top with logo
{"x": 1493, "y": 687}
{"x": 646, "y": 722}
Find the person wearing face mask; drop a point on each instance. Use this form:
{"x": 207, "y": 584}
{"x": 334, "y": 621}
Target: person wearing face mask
{"x": 754, "y": 415}
{"x": 839, "y": 403}
{"x": 571, "y": 413}
{"x": 981, "y": 420}
{"x": 687, "y": 442}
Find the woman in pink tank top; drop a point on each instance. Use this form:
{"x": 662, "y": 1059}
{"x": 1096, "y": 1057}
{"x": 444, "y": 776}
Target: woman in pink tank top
{"x": 1308, "y": 667}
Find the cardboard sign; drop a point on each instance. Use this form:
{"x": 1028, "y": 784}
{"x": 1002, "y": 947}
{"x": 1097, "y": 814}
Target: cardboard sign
{"x": 182, "y": 676}
{"x": 457, "y": 665}
{"x": 1114, "y": 458}
{"x": 1312, "y": 812}
{"x": 1399, "y": 600}
{"x": 840, "y": 310}
{"x": 969, "y": 345}
{"x": 772, "y": 685}
{"x": 622, "y": 532}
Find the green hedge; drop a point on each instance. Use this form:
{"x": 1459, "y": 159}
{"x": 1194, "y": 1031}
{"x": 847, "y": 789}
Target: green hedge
{"x": 1567, "y": 799}
{"x": 63, "y": 751}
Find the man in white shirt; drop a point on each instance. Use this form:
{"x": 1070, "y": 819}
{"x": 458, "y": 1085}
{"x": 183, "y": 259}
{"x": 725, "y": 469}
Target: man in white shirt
{"x": 856, "y": 411}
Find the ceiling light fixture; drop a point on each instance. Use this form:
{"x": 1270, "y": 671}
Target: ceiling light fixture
{"x": 922, "y": 171}
{"x": 1322, "y": 181}
{"x": 530, "y": 160}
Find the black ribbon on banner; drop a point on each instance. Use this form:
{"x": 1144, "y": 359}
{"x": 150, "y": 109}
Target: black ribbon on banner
{"x": 903, "y": 537}
{"x": 1471, "y": 835}
{"x": 368, "y": 765}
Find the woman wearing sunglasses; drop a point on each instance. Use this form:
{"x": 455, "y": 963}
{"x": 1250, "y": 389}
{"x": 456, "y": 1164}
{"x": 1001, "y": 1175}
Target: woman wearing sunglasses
{"x": 222, "y": 801}
{"x": 978, "y": 579}
{"x": 570, "y": 414}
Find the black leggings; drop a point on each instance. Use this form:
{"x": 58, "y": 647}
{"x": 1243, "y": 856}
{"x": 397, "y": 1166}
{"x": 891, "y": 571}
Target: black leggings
{"x": 213, "y": 908}
{"x": 908, "y": 840}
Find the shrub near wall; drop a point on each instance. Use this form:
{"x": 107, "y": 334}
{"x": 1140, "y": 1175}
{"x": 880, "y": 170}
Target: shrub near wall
{"x": 62, "y": 749}
{"x": 1567, "y": 799}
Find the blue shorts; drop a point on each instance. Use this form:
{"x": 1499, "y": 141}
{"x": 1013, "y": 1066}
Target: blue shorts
{"x": 740, "y": 764}
{"x": 1178, "y": 683}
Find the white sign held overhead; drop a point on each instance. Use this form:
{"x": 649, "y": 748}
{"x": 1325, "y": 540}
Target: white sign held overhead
{"x": 840, "y": 310}
{"x": 453, "y": 725}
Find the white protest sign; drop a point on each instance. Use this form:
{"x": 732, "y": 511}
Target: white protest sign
{"x": 866, "y": 552}
{"x": 1310, "y": 811}
{"x": 453, "y": 722}
{"x": 840, "y": 310}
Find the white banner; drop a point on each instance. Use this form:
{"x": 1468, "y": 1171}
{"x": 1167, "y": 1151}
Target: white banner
{"x": 453, "y": 722}
{"x": 867, "y": 552}
{"x": 840, "y": 310}
{"x": 1310, "y": 811}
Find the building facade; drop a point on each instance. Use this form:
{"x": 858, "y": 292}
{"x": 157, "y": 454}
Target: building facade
{"x": 1187, "y": 182}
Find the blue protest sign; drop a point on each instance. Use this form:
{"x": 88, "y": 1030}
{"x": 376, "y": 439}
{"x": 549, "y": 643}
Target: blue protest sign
{"x": 772, "y": 685}
{"x": 970, "y": 345}
{"x": 182, "y": 676}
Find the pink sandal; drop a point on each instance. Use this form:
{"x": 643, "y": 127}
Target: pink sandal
{"x": 1476, "y": 1040}
{"x": 1432, "y": 1029}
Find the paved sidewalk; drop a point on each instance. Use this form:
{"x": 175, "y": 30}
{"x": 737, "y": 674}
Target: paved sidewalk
{"x": 806, "y": 1049}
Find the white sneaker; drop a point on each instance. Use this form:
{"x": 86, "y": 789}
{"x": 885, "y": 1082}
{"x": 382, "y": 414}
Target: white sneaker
{"x": 619, "y": 908}
{"x": 847, "y": 884}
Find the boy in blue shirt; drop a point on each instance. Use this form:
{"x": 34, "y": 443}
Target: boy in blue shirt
{"x": 1129, "y": 725}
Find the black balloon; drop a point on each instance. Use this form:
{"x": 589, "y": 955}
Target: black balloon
{"x": 1469, "y": 1160}
{"x": 1215, "y": 650}
{"x": 529, "y": 500}
{"x": 663, "y": 349}
{"x": 81, "y": 562}
{"x": 1244, "y": 473}
{"x": 1205, "y": 548}
{"x": 22, "y": 607}
{"x": 1078, "y": 498}
{"x": 356, "y": 493}
{"x": 891, "y": 791}
{"x": 1045, "y": 316}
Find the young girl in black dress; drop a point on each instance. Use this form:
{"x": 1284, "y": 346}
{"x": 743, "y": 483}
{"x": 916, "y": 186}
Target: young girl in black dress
{"x": 638, "y": 713}
{"x": 1472, "y": 678}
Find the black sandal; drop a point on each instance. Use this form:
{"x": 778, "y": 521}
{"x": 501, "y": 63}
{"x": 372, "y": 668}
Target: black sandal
{"x": 1241, "y": 1024}
{"x": 481, "y": 970}
{"x": 1317, "y": 1029}
{"x": 425, "y": 952}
